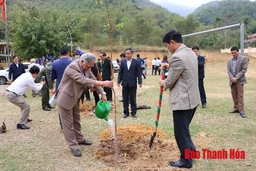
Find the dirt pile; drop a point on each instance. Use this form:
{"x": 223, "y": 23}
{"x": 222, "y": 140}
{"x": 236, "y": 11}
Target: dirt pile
{"x": 133, "y": 144}
{"x": 86, "y": 108}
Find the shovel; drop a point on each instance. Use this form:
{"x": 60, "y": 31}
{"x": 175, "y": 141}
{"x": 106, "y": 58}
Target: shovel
{"x": 157, "y": 112}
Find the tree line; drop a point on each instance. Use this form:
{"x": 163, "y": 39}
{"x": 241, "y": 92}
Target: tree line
{"x": 40, "y": 27}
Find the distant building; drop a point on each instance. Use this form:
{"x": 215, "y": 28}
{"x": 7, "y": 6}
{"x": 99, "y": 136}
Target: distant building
{"x": 4, "y": 54}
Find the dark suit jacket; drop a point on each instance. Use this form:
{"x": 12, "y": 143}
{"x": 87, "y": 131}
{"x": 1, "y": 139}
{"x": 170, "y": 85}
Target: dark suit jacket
{"x": 106, "y": 69}
{"x": 129, "y": 77}
{"x": 58, "y": 68}
{"x": 201, "y": 62}
{"x": 15, "y": 72}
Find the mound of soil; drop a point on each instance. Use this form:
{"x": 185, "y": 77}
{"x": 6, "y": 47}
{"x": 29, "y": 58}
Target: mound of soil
{"x": 133, "y": 148}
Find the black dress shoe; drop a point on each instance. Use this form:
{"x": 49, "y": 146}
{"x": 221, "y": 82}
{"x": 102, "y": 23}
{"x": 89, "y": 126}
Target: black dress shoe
{"x": 85, "y": 143}
{"x": 179, "y": 164}
{"x": 234, "y": 111}
{"x": 22, "y": 126}
{"x": 24, "y": 95}
{"x": 46, "y": 109}
{"x": 30, "y": 120}
{"x": 125, "y": 116}
{"x": 204, "y": 105}
{"x": 242, "y": 114}
{"x": 77, "y": 153}
{"x": 51, "y": 107}
{"x": 134, "y": 116}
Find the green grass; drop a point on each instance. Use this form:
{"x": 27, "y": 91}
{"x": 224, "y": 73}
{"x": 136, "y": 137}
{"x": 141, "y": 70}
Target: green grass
{"x": 43, "y": 147}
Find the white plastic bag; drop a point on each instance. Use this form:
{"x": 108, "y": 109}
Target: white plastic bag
{"x": 52, "y": 101}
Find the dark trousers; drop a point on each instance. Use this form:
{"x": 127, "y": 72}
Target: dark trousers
{"x": 96, "y": 97}
{"x": 87, "y": 94}
{"x": 129, "y": 93}
{"x": 157, "y": 69}
{"x": 202, "y": 91}
{"x": 108, "y": 92}
{"x": 153, "y": 69}
{"x": 45, "y": 97}
{"x": 181, "y": 121}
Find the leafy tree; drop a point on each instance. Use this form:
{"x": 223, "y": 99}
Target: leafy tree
{"x": 39, "y": 31}
{"x": 112, "y": 10}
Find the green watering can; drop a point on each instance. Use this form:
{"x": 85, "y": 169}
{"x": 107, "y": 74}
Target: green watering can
{"x": 102, "y": 109}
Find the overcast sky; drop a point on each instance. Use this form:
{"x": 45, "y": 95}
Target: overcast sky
{"x": 189, "y": 3}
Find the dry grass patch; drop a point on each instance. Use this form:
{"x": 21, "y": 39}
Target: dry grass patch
{"x": 43, "y": 147}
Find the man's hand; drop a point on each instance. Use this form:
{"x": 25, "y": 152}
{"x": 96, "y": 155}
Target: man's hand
{"x": 109, "y": 84}
{"x": 52, "y": 90}
{"x": 234, "y": 80}
{"x": 10, "y": 81}
{"x": 118, "y": 84}
{"x": 140, "y": 85}
{"x": 161, "y": 83}
{"x": 112, "y": 77}
{"x": 42, "y": 82}
{"x": 104, "y": 97}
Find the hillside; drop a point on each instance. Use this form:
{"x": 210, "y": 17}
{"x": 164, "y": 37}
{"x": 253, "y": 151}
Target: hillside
{"x": 229, "y": 12}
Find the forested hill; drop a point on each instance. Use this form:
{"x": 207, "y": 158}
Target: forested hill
{"x": 226, "y": 12}
{"x": 39, "y": 27}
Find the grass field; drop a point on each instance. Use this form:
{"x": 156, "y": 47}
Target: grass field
{"x": 43, "y": 147}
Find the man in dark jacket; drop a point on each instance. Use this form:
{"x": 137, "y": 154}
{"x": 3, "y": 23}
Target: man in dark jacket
{"x": 130, "y": 71}
{"x": 201, "y": 63}
{"x": 107, "y": 73}
{"x": 48, "y": 85}
{"x": 15, "y": 70}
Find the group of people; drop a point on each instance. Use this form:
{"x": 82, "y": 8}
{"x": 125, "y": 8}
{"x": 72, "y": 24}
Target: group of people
{"x": 184, "y": 82}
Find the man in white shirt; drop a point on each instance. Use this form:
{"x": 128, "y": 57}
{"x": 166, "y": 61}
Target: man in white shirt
{"x": 158, "y": 64}
{"x": 15, "y": 91}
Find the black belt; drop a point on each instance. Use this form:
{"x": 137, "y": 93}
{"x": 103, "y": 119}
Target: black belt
{"x": 12, "y": 92}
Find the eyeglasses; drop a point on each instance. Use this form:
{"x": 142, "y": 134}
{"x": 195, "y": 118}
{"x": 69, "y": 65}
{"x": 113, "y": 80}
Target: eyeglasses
{"x": 89, "y": 66}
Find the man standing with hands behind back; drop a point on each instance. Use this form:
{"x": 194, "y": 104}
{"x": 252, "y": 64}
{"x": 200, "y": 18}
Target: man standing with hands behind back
{"x": 236, "y": 68}
{"x": 182, "y": 83}
{"x": 130, "y": 70}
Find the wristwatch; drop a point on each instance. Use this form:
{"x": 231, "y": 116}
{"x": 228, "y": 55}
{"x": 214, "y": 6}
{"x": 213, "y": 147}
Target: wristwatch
{"x": 104, "y": 93}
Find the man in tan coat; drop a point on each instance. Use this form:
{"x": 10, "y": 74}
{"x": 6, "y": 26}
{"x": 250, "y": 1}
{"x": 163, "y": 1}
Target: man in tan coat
{"x": 182, "y": 83}
{"x": 236, "y": 68}
{"x": 77, "y": 76}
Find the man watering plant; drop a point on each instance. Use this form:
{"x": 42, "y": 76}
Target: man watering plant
{"x": 76, "y": 78}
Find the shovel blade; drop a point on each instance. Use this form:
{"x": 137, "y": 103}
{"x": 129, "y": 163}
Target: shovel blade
{"x": 152, "y": 140}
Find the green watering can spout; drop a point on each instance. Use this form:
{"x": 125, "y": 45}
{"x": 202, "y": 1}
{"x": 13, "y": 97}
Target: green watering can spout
{"x": 102, "y": 109}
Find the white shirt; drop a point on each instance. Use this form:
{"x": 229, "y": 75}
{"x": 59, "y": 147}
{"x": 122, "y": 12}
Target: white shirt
{"x": 129, "y": 63}
{"x": 153, "y": 62}
{"x": 158, "y": 62}
{"x": 22, "y": 83}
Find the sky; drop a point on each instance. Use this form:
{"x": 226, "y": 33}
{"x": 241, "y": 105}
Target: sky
{"x": 189, "y": 3}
